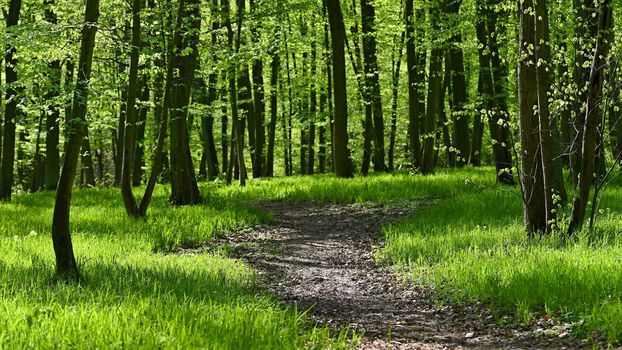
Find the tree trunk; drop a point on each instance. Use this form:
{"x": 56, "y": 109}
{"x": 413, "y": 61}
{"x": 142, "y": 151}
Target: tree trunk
{"x": 341, "y": 154}
{"x": 312, "y": 110}
{"x": 184, "y": 188}
{"x": 396, "y": 64}
{"x": 10, "y": 109}
{"x": 498, "y": 120}
{"x": 129, "y": 143}
{"x": 258, "y": 101}
{"x": 592, "y": 120}
{"x": 139, "y": 150}
{"x": 52, "y": 116}
{"x": 434, "y": 103}
{"x": 86, "y": 158}
{"x": 66, "y": 267}
{"x": 274, "y": 81}
{"x": 372, "y": 81}
{"x": 460, "y": 116}
{"x": 416, "y": 62}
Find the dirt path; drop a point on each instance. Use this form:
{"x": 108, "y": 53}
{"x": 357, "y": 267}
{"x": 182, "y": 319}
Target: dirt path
{"x": 320, "y": 257}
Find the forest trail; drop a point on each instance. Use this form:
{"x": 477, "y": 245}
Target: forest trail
{"x": 320, "y": 257}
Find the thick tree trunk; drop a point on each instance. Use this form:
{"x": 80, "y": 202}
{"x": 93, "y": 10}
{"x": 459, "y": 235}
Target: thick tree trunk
{"x": 10, "y": 109}
{"x": 341, "y": 154}
{"x": 66, "y": 267}
{"x": 184, "y": 188}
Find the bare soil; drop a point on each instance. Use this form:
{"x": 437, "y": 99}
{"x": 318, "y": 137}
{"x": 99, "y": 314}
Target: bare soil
{"x": 320, "y": 258}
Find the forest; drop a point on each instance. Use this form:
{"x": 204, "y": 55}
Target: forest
{"x": 322, "y": 174}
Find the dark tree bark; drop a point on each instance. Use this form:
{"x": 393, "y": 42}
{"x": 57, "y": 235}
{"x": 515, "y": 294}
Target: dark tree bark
{"x": 10, "y": 109}
{"x": 539, "y": 185}
{"x": 312, "y": 110}
{"x": 460, "y": 116}
{"x": 416, "y": 62}
{"x": 184, "y": 188}
{"x": 129, "y": 144}
{"x": 274, "y": 81}
{"x": 396, "y": 64}
{"x": 434, "y": 103}
{"x": 592, "y": 120}
{"x": 372, "y": 81}
{"x": 66, "y": 267}
{"x": 52, "y": 115}
{"x": 341, "y": 154}
{"x": 139, "y": 150}
{"x": 258, "y": 101}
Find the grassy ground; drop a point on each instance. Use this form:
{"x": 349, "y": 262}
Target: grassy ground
{"x": 470, "y": 245}
{"x": 133, "y": 295}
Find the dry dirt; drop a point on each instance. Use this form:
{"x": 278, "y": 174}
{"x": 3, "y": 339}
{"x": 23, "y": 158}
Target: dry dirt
{"x": 321, "y": 258}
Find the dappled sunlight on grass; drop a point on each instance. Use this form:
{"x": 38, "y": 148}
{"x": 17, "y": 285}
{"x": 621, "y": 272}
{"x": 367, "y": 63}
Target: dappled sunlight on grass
{"x": 131, "y": 297}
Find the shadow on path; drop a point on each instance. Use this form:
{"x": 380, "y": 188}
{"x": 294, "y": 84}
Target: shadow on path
{"x": 320, "y": 258}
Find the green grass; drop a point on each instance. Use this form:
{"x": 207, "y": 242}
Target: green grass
{"x": 133, "y": 294}
{"x": 470, "y": 245}
{"x": 466, "y": 241}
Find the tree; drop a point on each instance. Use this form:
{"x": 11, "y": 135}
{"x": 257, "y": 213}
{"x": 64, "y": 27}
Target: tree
{"x": 372, "y": 81}
{"x": 591, "y": 120}
{"x": 341, "y": 154}
{"x": 460, "y": 117}
{"x": 416, "y": 62}
{"x": 10, "y": 110}
{"x": 184, "y": 188}
{"x": 52, "y": 115}
{"x": 66, "y": 266}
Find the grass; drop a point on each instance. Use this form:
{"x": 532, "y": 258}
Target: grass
{"x": 469, "y": 244}
{"x": 134, "y": 294}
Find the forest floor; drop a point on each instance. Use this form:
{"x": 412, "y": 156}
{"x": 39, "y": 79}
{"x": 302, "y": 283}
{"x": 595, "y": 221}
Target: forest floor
{"x": 321, "y": 258}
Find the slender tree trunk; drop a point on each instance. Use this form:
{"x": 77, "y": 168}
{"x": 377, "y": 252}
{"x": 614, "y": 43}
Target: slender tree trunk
{"x": 86, "y": 158}
{"x": 258, "y": 101}
{"x": 396, "y": 64}
{"x": 10, "y": 109}
{"x": 38, "y": 163}
{"x": 274, "y": 81}
{"x": 139, "y": 150}
{"x": 129, "y": 143}
{"x": 312, "y": 109}
{"x": 52, "y": 116}
{"x": 66, "y": 266}
{"x": 372, "y": 81}
{"x": 434, "y": 103}
{"x": 534, "y": 201}
{"x": 592, "y": 120}
{"x": 341, "y": 154}
{"x": 416, "y": 62}
{"x": 460, "y": 117}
